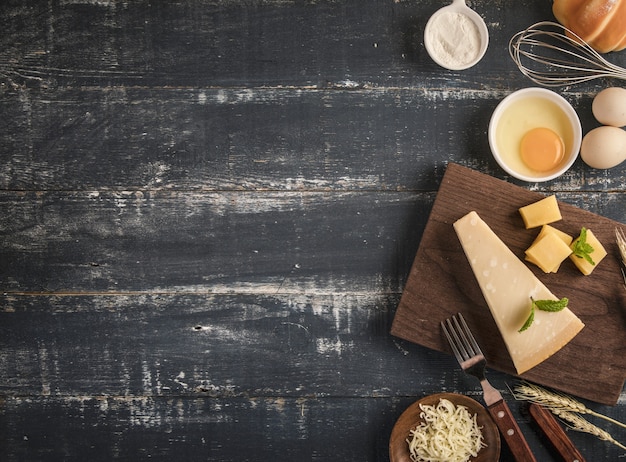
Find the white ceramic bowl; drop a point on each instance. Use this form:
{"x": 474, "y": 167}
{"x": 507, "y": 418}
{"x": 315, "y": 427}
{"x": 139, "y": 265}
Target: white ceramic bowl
{"x": 438, "y": 44}
{"x": 542, "y": 108}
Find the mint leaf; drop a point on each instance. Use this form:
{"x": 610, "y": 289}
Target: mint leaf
{"x": 581, "y": 249}
{"x": 530, "y": 319}
{"x": 551, "y": 305}
{"x": 543, "y": 305}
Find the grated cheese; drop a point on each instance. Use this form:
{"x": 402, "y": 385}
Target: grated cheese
{"x": 449, "y": 433}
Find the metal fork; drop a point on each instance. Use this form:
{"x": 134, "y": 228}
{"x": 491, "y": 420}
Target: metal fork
{"x": 473, "y": 362}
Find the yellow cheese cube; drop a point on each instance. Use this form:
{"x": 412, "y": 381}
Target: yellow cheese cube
{"x": 599, "y": 252}
{"x": 541, "y": 212}
{"x": 545, "y": 229}
{"x": 548, "y": 252}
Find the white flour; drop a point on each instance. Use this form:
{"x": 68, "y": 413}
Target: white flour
{"x": 455, "y": 38}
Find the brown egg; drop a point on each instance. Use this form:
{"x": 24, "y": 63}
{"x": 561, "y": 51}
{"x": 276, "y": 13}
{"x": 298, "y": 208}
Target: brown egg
{"x": 609, "y": 106}
{"x": 604, "y": 147}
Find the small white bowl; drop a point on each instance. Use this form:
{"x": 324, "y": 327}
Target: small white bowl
{"x": 445, "y": 48}
{"x": 524, "y": 110}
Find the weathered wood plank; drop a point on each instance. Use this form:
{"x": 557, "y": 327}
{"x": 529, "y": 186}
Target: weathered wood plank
{"x": 230, "y": 429}
{"x": 208, "y": 345}
{"x": 172, "y": 242}
{"x": 251, "y": 139}
{"x": 218, "y": 346}
{"x": 176, "y": 242}
{"x": 230, "y": 43}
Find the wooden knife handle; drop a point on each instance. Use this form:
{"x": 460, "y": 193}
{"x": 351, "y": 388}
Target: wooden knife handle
{"x": 503, "y": 417}
{"x": 555, "y": 433}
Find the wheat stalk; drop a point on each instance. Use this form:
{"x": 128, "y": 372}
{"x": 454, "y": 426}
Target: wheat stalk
{"x": 621, "y": 244}
{"x": 576, "y": 422}
{"x": 568, "y": 409}
{"x": 556, "y": 401}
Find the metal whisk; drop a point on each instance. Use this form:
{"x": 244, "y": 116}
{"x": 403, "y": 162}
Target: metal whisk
{"x": 551, "y": 55}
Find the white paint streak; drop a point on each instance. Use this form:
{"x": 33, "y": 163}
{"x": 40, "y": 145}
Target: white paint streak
{"x": 399, "y": 347}
{"x": 302, "y": 423}
{"x": 103, "y": 405}
{"x": 276, "y": 404}
{"x": 328, "y": 346}
{"x": 146, "y": 378}
{"x": 179, "y": 380}
{"x": 459, "y": 94}
{"x": 221, "y": 97}
{"x": 44, "y": 372}
{"x": 363, "y": 287}
{"x": 120, "y": 202}
{"x": 156, "y": 172}
{"x": 347, "y": 83}
{"x": 208, "y": 387}
{"x": 105, "y": 3}
{"x": 230, "y": 335}
{"x": 125, "y": 378}
{"x": 141, "y": 413}
{"x": 343, "y": 181}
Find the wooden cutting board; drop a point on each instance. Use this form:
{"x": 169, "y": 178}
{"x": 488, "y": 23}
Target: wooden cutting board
{"x": 441, "y": 283}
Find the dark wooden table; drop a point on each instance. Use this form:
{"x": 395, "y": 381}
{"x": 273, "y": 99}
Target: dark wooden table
{"x": 209, "y": 209}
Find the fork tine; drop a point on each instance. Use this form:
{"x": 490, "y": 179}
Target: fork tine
{"x": 454, "y": 332}
{"x": 459, "y": 335}
{"x": 469, "y": 336}
{"x": 448, "y": 330}
{"x": 461, "y": 339}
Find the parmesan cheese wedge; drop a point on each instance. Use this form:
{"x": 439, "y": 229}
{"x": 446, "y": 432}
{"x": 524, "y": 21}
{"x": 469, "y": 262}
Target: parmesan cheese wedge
{"x": 508, "y": 285}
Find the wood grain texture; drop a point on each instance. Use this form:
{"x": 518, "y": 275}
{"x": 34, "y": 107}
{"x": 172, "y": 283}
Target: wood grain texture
{"x": 253, "y": 139}
{"x": 207, "y": 345}
{"x": 209, "y": 210}
{"x": 173, "y": 242}
{"x": 242, "y": 44}
{"x": 110, "y": 428}
{"x": 197, "y": 428}
{"x": 242, "y": 139}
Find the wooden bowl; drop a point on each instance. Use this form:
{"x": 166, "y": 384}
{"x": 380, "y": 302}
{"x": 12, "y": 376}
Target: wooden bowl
{"x": 410, "y": 418}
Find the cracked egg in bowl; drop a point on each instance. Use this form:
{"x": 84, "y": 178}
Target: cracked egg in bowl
{"x": 535, "y": 134}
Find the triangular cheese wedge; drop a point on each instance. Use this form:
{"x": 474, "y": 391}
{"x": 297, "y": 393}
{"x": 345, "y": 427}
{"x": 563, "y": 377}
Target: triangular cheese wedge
{"x": 508, "y": 285}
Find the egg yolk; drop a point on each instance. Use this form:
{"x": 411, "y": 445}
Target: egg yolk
{"x": 542, "y": 149}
